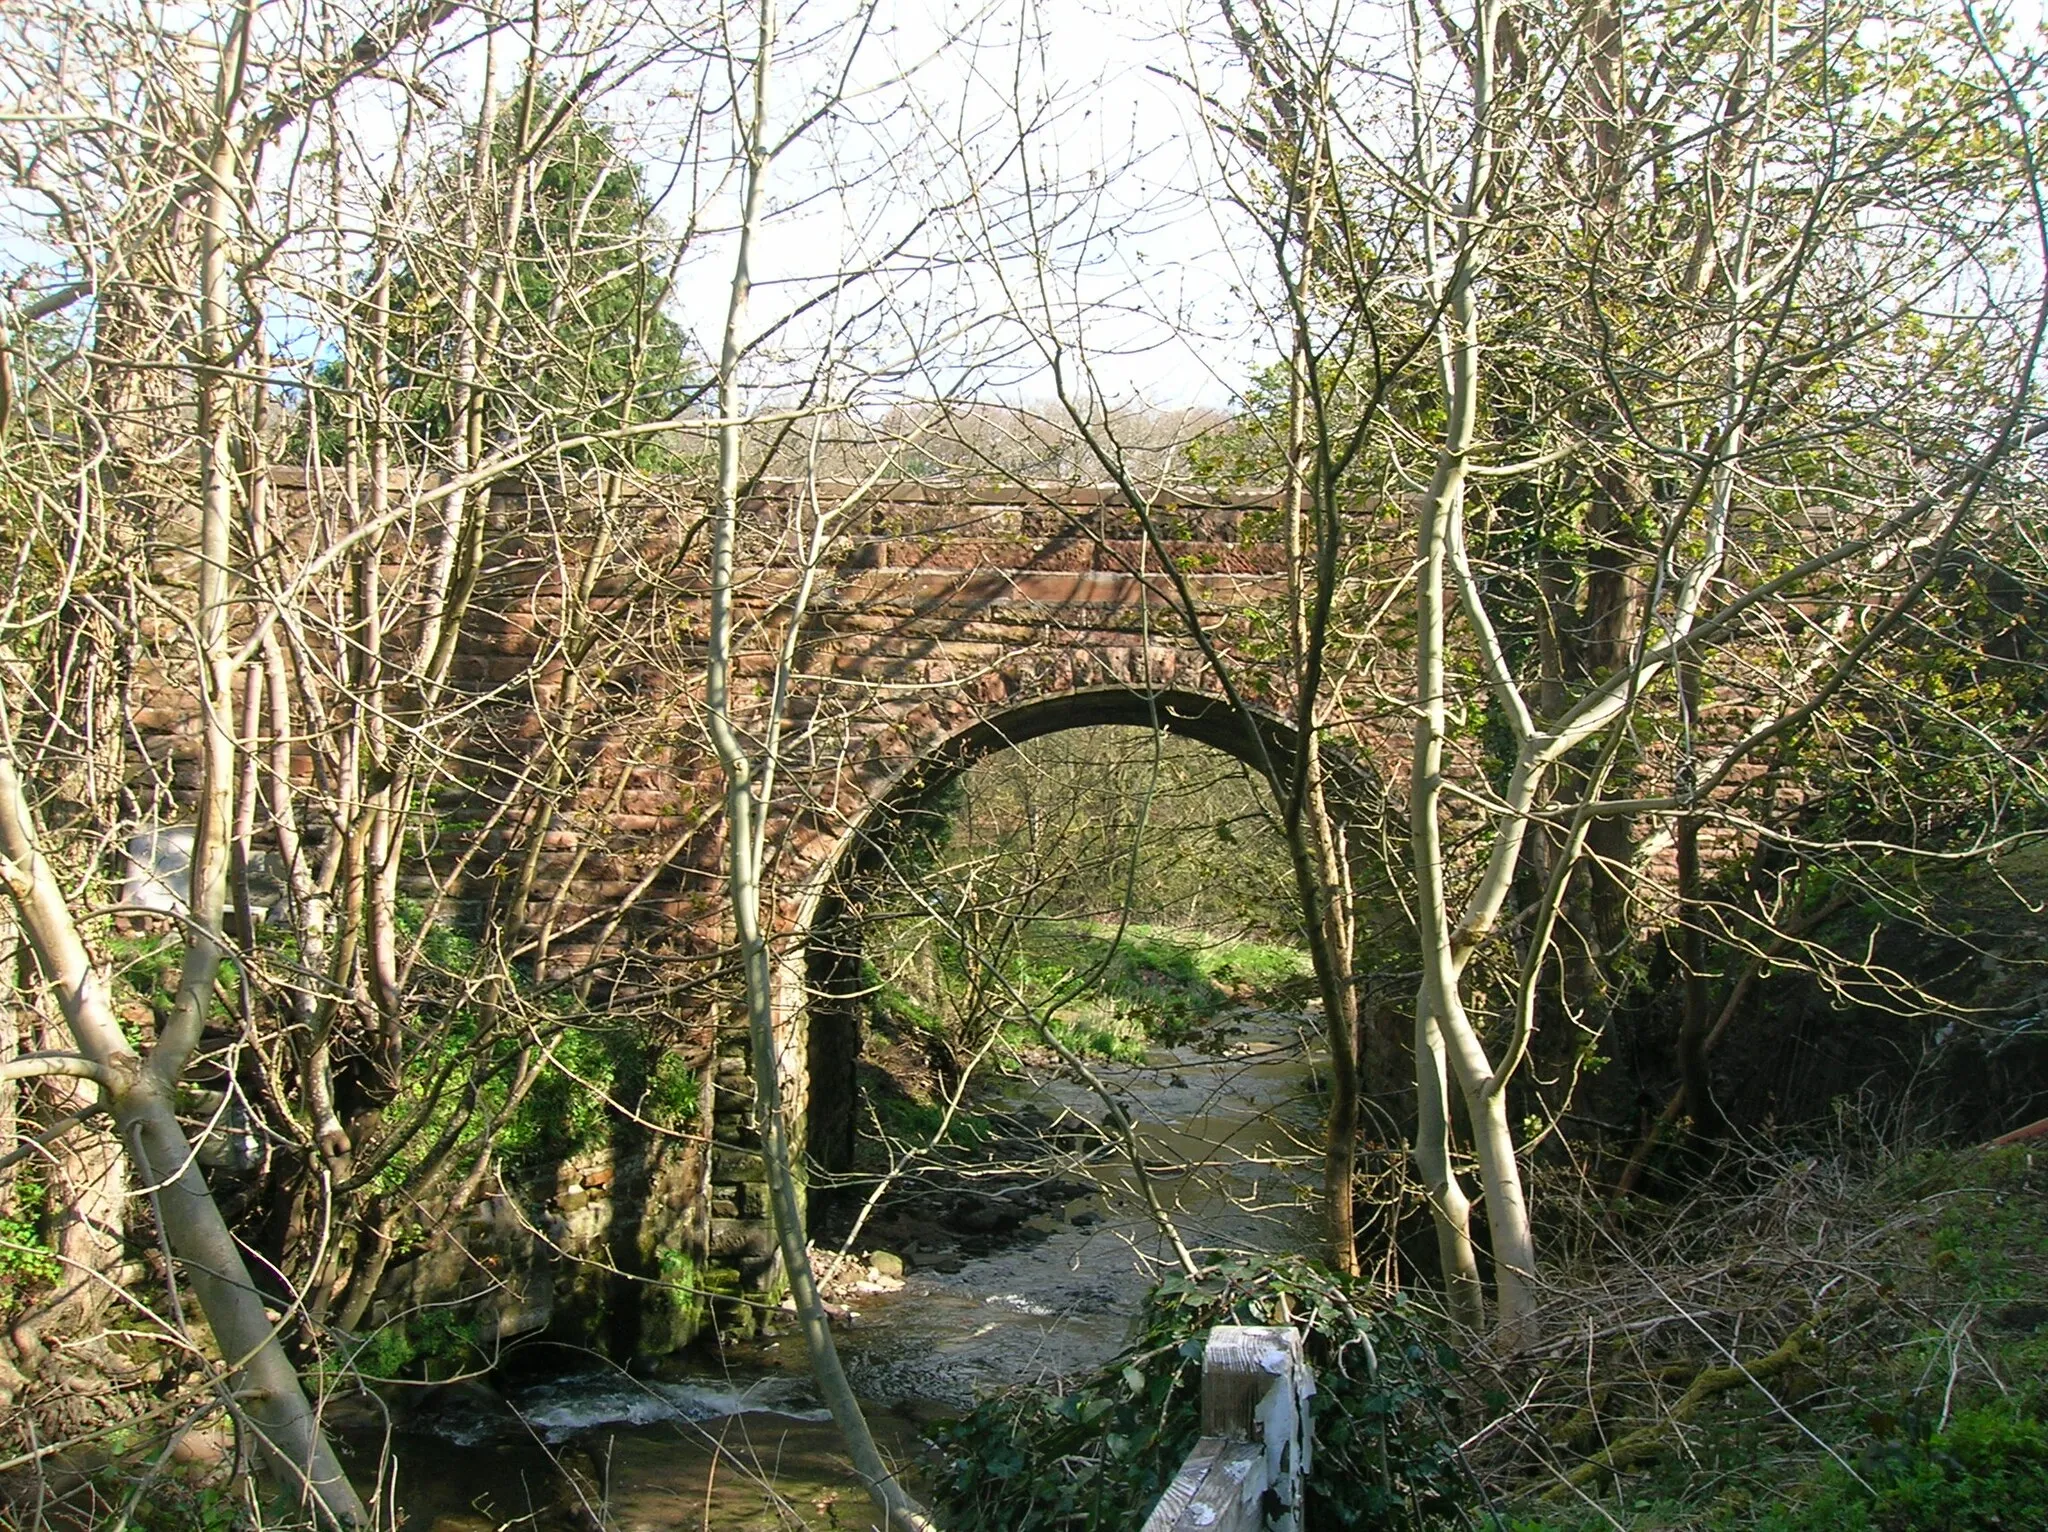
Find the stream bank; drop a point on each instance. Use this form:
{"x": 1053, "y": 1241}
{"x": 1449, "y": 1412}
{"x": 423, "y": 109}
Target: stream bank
{"x": 1017, "y": 1259}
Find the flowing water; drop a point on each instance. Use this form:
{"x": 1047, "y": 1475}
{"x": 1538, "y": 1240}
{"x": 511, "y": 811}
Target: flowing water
{"x": 738, "y": 1441}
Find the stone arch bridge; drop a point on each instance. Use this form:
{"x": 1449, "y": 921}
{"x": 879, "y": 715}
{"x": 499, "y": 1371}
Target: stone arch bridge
{"x": 945, "y": 623}
{"x": 940, "y": 623}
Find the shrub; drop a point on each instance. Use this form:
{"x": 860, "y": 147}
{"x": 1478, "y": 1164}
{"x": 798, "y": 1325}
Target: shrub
{"x": 1100, "y": 1456}
{"x": 1988, "y": 1472}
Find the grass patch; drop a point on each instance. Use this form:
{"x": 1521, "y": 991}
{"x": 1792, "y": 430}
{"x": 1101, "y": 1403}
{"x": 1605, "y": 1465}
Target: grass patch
{"x": 919, "y": 1121}
{"x": 1154, "y": 985}
{"x": 1987, "y": 1472}
{"x": 1095, "y": 1028}
{"x": 1914, "y": 1295}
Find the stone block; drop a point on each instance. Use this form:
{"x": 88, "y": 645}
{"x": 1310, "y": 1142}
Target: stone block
{"x": 744, "y": 1239}
{"x": 733, "y": 1164}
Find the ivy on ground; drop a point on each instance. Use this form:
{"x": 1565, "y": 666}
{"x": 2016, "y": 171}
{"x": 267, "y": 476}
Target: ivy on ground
{"x": 1099, "y": 1456}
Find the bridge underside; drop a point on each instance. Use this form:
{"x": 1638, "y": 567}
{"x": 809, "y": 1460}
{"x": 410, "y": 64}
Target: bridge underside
{"x": 835, "y": 984}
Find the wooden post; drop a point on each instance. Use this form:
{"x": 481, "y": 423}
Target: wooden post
{"x": 1247, "y": 1471}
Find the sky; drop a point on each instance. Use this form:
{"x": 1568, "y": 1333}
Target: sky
{"x": 1067, "y": 103}
{"x": 998, "y": 184}
{"x": 957, "y": 116}
{"x": 1022, "y": 182}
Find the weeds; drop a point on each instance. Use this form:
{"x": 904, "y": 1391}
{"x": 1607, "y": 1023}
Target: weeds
{"x": 1873, "y": 1334}
{"x": 27, "y": 1263}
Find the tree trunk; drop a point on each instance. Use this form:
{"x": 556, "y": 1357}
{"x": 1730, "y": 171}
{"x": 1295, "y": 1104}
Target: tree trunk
{"x": 743, "y": 852}
{"x": 287, "y": 1431}
{"x": 1443, "y": 1030}
{"x": 1450, "y": 1209}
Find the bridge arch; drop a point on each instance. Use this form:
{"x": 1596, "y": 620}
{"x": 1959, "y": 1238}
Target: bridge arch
{"x": 827, "y": 928}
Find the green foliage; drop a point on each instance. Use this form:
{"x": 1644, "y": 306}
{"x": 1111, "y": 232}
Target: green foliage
{"x": 1148, "y": 984}
{"x": 27, "y": 1264}
{"x": 901, "y": 1117}
{"x": 1189, "y": 976}
{"x": 385, "y": 1354}
{"x": 683, "y": 1292}
{"x": 1931, "y": 747}
{"x": 427, "y": 1343}
{"x": 1077, "y": 825}
{"x": 1987, "y": 1472}
{"x": 443, "y": 1077}
{"x": 583, "y": 327}
{"x": 1990, "y": 1241}
{"x": 451, "y": 1069}
{"x": 588, "y": 1065}
{"x": 671, "y": 1100}
{"x": 446, "y": 1336}
{"x": 564, "y": 1111}
{"x": 1096, "y": 1032}
{"x": 1076, "y": 880}
{"x": 919, "y": 831}
{"x": 583, "y": 346}
{"x": 1099, "y": 1457}
{"x": 896, "y": 1007}
{"x": 591, "y": 1066}
{"x": 444, "y": 947}
{"x": 177, "y": 1503}
{"x": 146, "y": 965}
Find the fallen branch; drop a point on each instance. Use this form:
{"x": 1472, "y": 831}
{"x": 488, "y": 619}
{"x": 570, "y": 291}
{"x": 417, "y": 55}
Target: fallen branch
{"x": 1648, "y": 1442}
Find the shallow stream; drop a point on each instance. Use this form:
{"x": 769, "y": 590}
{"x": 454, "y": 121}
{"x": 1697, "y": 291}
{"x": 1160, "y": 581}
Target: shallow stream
{"x": 736, "y": 1440}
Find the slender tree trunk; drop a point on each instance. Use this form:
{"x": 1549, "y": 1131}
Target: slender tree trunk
{"x": 11, "y": 1012}
{"x": 286, "y": 1429}
{"x": 1329, "y": 895}
{"x": 1697, "y": 1081}
{"x": 1440, "y": 1004}
{"x": 1450, "y": 1208}
{"x": 87, "y": 1183}
{"x": 1447, "y": 1198}
{"x": 207, "y": 893}
{"x": 1439, "y": 986}
{"x": 743, "y": 851}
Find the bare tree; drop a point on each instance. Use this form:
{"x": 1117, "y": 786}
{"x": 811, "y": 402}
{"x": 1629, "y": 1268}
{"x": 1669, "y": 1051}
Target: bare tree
{"x": 310, "y": 619}
{"x": 1596, "y": 307}
{"x": 169, "y": 245}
